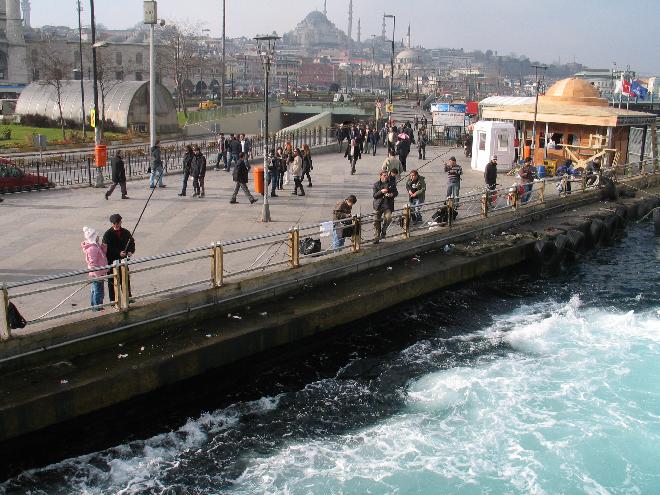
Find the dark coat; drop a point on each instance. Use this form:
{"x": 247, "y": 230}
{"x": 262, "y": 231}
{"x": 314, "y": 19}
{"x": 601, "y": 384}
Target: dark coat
{"x": 358, "y": 153}
{"x": 156, "y": 160}
{"x": 118, "y": 170}
{"x": 235, "y": 147}
{"x": 307, "y": 163}
{"x": 241, "y": 172}
{"x": 382, "y": 202}
{"x": 275, "y": 164}
{"x": 490, "y": 173}
{"x": 187, "y": 162}
{"x": 118, "y": 244}
{"x": 418, "y": 186}
{"x": 199, "y": 166}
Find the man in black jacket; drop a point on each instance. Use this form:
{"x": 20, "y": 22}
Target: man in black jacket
{"x": 490, "y": 173}
{"x": 118, "y": 175}
{"x": 120, "y": 244}
{"x": 384, "y": 193}
{"x": 235, "y": 149}
{"x": 241, "y": 179}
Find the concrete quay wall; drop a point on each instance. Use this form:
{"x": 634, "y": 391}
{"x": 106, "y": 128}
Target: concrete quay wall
{"x": 47, "y": 382}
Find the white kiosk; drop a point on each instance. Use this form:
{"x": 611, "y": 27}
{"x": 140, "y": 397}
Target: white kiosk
{"x": 492, "y": 138}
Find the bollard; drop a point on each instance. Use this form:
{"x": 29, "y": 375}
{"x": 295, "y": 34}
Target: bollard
{"x": 294, "y": 248}
{"x": 583, "y": 183}
{"x": 484, "y": 204}
{"x": 217, "y": 265}
{"x": 564, "y": 182}
{"x": 356, "y": 238}
{"x": 5, "y": 330}
{"x": 542, "y": 192}
{"x": 406, "y": 222}
{"x": 516, "y": 198}
{"x": 450, "y": 211}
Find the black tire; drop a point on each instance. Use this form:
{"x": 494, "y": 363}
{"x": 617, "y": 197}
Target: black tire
{"x": 611, "y": 227}
{"x": 563, "y": 247}
{"x": 621, "y": 212}
{"x": 546, "y": 254}
{"x": 656, "y": 220}
{"x": 577, "y": 241}
{"x": 597, "y": 232}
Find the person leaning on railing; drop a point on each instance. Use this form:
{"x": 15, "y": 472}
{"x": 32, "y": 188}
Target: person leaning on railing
{"x": 342, "y": 211}
{"x": 384, "y": 193}
{"x": 96, "y": 256}
{"x": 527, "y": 174}
{"x": 416, "y": 187}
{"x": 119, "y": 244}
{"x": 454, "y": 172}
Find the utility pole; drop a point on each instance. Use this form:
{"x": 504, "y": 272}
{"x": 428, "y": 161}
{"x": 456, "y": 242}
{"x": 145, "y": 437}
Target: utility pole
{"x": 82, "y": 72}
{"x": 393, "y": 17}
{"x": 222, "y": 75}
{"x": 536, "y": 107}
{"x": 95, "y": 118}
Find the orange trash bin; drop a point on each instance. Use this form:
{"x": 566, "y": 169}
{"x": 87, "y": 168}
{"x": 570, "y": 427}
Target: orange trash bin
{"x": 258, "y": 176}
{"x": 101, "y": 155}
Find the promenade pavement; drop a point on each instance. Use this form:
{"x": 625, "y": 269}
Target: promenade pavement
{"x": 42, "y": 230}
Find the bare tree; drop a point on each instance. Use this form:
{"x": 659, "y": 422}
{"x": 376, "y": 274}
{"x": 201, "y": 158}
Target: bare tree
{"x": 54, "y": 72}
{"x": 107, "y": 80}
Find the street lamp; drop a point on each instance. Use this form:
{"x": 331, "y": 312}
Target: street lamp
{"x": 82, "y": 74}
{"x": 536, "y": 107}
{"x": 151, "y": 18}
{"x": 95, "y": 118}
{"x": 266, "y": 50}
{"x": 393, "y": 17}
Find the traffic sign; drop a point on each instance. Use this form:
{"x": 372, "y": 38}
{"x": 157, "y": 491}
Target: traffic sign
{"x": 92, "y": 118}
{"x": 389, "y": 108}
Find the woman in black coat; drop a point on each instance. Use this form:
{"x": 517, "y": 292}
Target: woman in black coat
{"x": 199, "y": 172}
{"x": 187, "y": 168}
{"x": 118, "y": 175}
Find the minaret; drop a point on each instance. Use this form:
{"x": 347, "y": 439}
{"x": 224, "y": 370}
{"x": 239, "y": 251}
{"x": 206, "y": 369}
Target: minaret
{"x": 25, "y": 5}
{"x": 359, "y": 33}
{"x": 384, "y": 28}
{"x": 325, "y": 8}
{"x": 350, "y": 29}
{"x": 17, "y": 53}
{"x": 408, "y": 37}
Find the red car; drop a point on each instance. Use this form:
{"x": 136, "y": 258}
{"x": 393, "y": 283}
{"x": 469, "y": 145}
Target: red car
{"x": 13, "y": 179}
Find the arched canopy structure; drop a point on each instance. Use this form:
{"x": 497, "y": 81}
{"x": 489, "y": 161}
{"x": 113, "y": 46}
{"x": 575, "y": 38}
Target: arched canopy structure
{"x": 126, "y": 104}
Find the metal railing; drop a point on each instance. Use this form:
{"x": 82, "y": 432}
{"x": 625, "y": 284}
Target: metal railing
{"x": 78, "y": 169}
{"x": 139, "y": 279}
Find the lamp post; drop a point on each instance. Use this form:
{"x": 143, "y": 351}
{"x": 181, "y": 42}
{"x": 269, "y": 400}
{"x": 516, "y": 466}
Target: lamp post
{"x": 82, "y": 74}
{"x": 393, "y": 17}
{"x": 536, "y": 107}
{"x": 266, "y": 50}
{"x": 222, "y": 75}
{"x": 151, "y": 18}
{"x": 95, "y": 117}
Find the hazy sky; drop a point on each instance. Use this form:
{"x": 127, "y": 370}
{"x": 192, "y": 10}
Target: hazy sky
{"x": 594, "y": 32}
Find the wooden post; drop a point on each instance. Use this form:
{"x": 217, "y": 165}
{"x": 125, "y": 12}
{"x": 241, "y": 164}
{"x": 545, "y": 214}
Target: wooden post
{"x": 516, "y": 197}
{"x": 406, "y": 222}
{"x": 217, "y": 266}
{"x": 484, "y": 204}
{"x": 450, "y": 211}
{"x": 654, "y": 145}
{"x": 542, "y": 192}
{"x": 115, "y": 282}
{"x": 583, "y": 182}
{"x": 5, "y": 331}
{"x": 564, "y": 181}
{"x": 356, "y": 239}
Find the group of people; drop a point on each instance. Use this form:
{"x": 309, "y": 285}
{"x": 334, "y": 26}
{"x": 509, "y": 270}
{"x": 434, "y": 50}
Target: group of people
{"x": 286, "y": 162}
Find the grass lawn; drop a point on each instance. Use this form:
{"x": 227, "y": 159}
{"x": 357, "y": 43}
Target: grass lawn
{"x": 19, "y": 134}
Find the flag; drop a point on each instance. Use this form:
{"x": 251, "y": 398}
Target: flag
{"x": 625, "y": 88}
{"x": 638, "y": 90}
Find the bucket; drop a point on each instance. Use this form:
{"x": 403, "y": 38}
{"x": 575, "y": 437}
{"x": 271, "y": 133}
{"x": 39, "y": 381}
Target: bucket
{"x": 540, "y": 170}
{"x": 101, "y": 155}
{"x": 258, "y": 176}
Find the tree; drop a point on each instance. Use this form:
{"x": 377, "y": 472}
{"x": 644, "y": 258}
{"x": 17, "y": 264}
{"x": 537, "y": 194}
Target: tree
{"x": 54, "y": 72}
{"x": 106, "y": 80}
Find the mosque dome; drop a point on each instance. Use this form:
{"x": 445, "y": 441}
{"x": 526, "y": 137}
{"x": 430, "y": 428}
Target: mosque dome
{"x": 573, "y": 91}
{"x": 410, "y": 56}
{"x": 316, "y": 30}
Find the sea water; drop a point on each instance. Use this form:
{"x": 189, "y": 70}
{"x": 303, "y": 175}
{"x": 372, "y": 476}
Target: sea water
{"x": 512, "y": 385}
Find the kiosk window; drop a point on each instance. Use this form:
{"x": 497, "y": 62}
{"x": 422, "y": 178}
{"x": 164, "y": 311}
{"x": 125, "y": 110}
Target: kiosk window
{"x": 482, "y": 141}
{"x": 502, "y": 142}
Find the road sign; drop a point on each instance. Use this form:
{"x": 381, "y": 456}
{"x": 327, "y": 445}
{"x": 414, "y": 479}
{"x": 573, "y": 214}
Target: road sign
{"x": 39, "y": 141}
{"x": 92, "y": 118}
{"x": 150, "y": 12}
{"x": 389, "y": 108}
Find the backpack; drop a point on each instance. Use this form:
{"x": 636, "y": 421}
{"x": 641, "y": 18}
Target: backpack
{"x": 310, "y": 246}
{"x": 15, "y": 318}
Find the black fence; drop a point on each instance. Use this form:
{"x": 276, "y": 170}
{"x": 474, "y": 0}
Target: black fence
{"x": 78, "y": 168}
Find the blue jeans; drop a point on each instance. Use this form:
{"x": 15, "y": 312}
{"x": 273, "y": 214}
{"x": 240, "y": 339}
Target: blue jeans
{"x": 528, "y": 191}
{"x": 415, "y": 214}
{"x": 222, "y": 157}
{"x": 337, "y": 239}
{"x": 97, "y": 293}
{"x": 233, "y": 157}
{"x": 273, "y": 181}
{"x": 453, "y": 190}
{"x": 156, "y": 173}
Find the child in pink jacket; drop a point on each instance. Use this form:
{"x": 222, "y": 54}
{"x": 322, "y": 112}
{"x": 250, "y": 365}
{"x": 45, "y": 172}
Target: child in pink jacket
{"x": 95, "y": 255}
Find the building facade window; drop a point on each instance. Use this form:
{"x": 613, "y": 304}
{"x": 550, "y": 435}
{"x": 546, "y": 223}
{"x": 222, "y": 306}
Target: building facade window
{"x": 138, "y": 58}
{"x": 138, "y": 76}
{"x": 119, "y": 75}
{"x": 118, "y": 58}
{"x": 3, "y": 65}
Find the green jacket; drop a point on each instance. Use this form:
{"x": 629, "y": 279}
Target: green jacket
{"x": 419, "y": 186}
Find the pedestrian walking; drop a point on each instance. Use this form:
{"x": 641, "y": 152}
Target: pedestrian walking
{"x": 296, "y": 172}
{"x": 403, "y": 149}
{"x": 416, "y": 187}
{"x": 119, "y": 245}
{"x": 187, "y": 168}
{"x": 392, "y": 162}
{"x": 274, "y": 166}
{"x": 454, "y": 172}
{"x": 222, "y": 152}
{"x": 241, "y": 179}
{"x": 156, "y": 166}
{"x": 384, "y": 192}
{"x": 490, "y": 178}
{"x": 287, "y": 159}
{"x": 422, "y": 140}
{"x": 342, "y": 211}
{"x": 308, "y": 166}
{"x": 374, "y": 140}
{"x": 353, "y": 154}
{"x": 118, "y": 176}
{"x": 198, "y": 172}
{"x": 95, "y": 255}
{"x": 234, "y": 151}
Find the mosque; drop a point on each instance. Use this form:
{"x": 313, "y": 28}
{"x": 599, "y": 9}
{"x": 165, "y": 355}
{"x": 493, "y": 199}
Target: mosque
{"x": 13, "y": 52}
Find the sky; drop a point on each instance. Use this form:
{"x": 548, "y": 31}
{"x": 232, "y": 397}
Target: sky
{"x": 597, "y": 33}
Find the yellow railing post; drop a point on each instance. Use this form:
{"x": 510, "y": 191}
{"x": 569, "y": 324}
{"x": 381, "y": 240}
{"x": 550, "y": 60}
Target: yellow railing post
{"x": 356, "y": 238}
{"x": 294, "y": 248}
{"x": 5, "y": 330}
{"x": 116, "y": 283}
{"x": 406, "y": 222}
{"x": 583, "y": 182}
{"x": 217, "y": 265}
{"x": 484, "y": 204}
{"x": 450, "y": 211}
{"x": 542, "y": 192}
{"x": 125, "y": 287}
